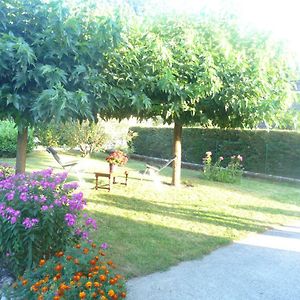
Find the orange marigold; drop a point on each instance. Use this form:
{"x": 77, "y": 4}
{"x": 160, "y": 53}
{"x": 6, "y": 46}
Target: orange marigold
{"x": 82, "y": 295}
{"x": 111, "y": 293}
{"x": 24, "y": 282}
{"x": 59, "y": 254}
{"x": 44, "y": 289}
{"x": 102, "y": 277}
{"x": 42, "y": 262}
{"x": 89, "y": 284}
{"x": 58, "y": 267}
{"x": 85, "y": 250}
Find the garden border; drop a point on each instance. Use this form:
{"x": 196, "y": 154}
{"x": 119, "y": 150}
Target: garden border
{"x": 193, "y": 166}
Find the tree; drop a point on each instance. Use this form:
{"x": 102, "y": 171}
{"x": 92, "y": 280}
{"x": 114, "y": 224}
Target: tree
{"x": 49, "y": 56}
{"x": 196, "y": 70}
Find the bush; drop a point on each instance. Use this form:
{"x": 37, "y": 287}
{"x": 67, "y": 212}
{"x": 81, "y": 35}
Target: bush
{"x": 274, "y": 152}
{"x": 88, "y": 136}
{"x": 8, "y": 139}
{"x": 78, "y": 273}
{"x": 6, "y": 171}
{"x": 38, "y": 212}
{"x": 216, "y": 172}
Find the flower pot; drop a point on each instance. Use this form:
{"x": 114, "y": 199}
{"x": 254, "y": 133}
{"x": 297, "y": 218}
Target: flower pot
{"x": 112, "y": 168}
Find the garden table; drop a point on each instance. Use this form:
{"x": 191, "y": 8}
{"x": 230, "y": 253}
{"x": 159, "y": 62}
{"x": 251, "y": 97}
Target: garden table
{"x": 111, "y": 178}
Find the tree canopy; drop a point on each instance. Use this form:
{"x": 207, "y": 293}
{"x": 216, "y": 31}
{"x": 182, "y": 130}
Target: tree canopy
{"x": 49, "y": 56}
{"x": 200, "y": 70}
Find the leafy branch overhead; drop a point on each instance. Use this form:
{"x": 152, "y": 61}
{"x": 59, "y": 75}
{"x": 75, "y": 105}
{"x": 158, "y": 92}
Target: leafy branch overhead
{"x": 48, "y": 55}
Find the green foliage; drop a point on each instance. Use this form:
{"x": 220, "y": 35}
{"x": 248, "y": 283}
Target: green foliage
{"x": 39, "y": 214}
{"x": 80, "y": 272}
{"x": 49, "y": 56}
{"x": 88, "y": 136}
{"x": 273, "y": 152}
{"x": 212, "y": 76}
{"x": 215, "y": 171}
{"x": 6, "y": 171}
{"x": 8, "y": 139}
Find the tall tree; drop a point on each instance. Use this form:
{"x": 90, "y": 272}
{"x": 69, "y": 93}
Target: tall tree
{"x": 49, "y": 56}
{"x": 196, "y": 70}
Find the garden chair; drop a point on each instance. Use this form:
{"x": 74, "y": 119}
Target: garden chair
{"x": 154, "y": 171}
{"x": 67, "y": 165}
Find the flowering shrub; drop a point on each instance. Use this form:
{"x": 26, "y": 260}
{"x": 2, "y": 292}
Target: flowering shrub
{"x": 81, "y": 272}
{"x": 39, "y": 212}
{"x": 6, "y": 171}
{"x": 117, "y": 158}
{"x": 214, "y": 171}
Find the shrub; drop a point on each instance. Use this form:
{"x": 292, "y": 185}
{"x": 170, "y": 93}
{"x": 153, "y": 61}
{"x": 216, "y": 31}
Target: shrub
{"x": 214, "y": 171}
{"x": 6, "y": 171}
{"x": 8, "y": 139}
{"x": 274, "y": 152}
{"x": 39, "y": 211}
{"x": 78, "y": 273}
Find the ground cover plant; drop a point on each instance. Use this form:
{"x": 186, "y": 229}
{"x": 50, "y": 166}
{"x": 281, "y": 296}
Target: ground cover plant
{"x": 81, "y": 272}
{"x": 151, "y": 227}
{"x": 217, "y": 172}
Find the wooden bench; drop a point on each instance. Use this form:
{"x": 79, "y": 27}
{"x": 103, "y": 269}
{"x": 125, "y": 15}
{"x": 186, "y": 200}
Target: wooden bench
{"x": 111, "y": 179}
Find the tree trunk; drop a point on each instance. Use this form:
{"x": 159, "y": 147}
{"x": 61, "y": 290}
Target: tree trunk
{"x": 21, "y": 149}
{"x": 177, "y": 153}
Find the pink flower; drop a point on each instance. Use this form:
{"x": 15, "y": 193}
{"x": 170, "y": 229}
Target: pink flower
{"x": 221, "y": 158}
{"x": 208, "y": 153}
{"x": 240, "y": 158}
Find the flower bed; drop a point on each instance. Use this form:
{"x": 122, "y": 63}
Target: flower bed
{"x": 41, "y": 219}
{"x": 81, "y": 272}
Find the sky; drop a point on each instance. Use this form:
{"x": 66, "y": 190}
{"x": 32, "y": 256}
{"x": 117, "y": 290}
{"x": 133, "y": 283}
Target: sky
{"x": 279, "y": 17}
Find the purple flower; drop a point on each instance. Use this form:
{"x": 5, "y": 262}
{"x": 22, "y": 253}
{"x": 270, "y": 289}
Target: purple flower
{"x": 85, "y": 235}
{"x": 104, "y": 246}
{"x": 10, "y": 196}
{"x": 70, "y": 186}
{"x": 70, "y": 219}
{"x": 77, "y": 202}
{"x": 44, "y": 207}
{"x": 91, "y": 222}
{"x": 28, "y": 223}
{"x": 23, "y": 196}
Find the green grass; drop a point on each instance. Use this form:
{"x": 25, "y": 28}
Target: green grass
{"x": 152, "y": 227}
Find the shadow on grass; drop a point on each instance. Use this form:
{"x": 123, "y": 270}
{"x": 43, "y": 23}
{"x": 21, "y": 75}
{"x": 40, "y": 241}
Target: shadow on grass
{"x": 195, "y": 215}
{"x": 269, "y": 210}
{"x": 141, "y": 248}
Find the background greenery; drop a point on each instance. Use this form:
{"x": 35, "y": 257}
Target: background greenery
{"x": 151, "y": 226}
{"x": 273, "y": 152}
{"x": 8, "y": 139}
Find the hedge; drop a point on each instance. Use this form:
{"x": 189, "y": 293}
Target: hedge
{"x": 270, "y": 152}
{"x": 8, "y": 139}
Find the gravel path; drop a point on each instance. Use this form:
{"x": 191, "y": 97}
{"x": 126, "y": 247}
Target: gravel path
{"x": 263, "y": 266}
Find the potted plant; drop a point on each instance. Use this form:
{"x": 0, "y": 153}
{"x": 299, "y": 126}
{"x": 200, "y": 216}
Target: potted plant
{"x": 116, "y": 158}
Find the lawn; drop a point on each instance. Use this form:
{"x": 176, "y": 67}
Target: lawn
{"x": 151, "y": 226}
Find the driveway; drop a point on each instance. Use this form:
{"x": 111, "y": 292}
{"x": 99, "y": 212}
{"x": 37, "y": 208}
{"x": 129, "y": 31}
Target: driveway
{"x": 261, "y": 267}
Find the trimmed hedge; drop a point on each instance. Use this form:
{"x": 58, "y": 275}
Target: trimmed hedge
{"x": 8, "y": 139}
{"x": 274, "y": 152}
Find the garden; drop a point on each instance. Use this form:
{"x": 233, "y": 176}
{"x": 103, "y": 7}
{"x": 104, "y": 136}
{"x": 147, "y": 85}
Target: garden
{"x": 74, "y": 79}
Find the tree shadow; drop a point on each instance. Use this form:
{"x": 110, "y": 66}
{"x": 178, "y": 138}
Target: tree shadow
{"x": 269, "y": 210}
{"x": 140, "y": 248}
{"x": 195, "y": 215}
